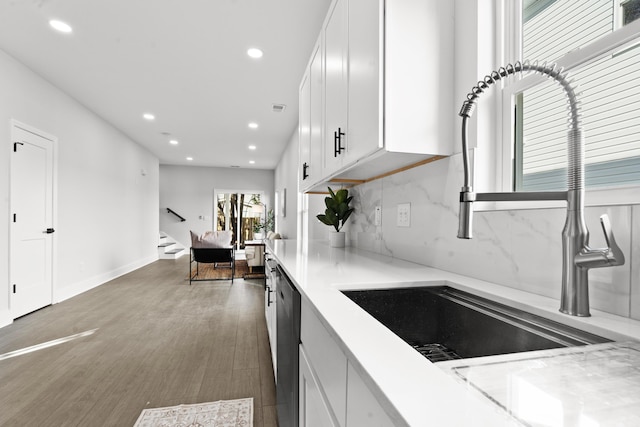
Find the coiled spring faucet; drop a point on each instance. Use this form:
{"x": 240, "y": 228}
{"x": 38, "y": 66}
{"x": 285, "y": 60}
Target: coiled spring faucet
{"x": 577, "y": 256}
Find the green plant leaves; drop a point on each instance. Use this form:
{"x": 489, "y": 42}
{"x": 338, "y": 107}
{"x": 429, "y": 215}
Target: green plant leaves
{"x": 338, "y": 210}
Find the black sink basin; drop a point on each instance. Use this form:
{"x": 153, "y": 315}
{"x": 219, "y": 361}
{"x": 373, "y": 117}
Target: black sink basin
{"x": 443, "y": 323}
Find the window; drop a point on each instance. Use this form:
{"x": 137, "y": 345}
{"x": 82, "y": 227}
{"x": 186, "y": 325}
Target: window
{"x": 239, "y": 213}
{"x": 599, "y": 43}
{"x": 630, "y": 11}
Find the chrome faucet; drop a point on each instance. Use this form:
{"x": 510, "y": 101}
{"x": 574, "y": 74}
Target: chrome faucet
{"x": 577, "y": 256}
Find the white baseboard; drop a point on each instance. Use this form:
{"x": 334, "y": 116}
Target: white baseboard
{"x": 77, "y": 288}
{"x": 5, "y": 318}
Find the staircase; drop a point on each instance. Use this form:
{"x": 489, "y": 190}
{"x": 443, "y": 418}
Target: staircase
{"x": 167, "y": 249}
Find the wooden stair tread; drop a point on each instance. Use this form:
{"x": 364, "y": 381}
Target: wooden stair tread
{"x": 174, "y": 251}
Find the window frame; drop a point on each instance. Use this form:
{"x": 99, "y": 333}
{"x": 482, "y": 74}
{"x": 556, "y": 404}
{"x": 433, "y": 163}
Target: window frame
{"x": 618, "y": 16}
{"x": 622, "y": 39}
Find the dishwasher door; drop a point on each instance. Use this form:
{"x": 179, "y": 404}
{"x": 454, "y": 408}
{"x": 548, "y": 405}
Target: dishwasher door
{"x": 288, "y": 342}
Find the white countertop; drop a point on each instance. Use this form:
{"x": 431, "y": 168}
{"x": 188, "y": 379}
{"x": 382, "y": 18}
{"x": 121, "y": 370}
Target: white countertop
{"x": 413, "y": 390}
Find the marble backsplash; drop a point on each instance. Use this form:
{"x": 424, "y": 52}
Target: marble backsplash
{"x": 517, "y": 248}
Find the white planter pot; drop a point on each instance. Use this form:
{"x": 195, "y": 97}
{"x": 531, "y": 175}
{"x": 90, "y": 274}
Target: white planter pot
{"x": 336, "y": 239}
{"x": 258, "y": 236}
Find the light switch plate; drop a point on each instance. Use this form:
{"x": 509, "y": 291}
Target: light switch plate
{"x": 404, "y": 215}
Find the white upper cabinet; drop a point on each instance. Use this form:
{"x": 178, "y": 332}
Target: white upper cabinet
{"x": 387, "y": 86}
{"x": 365, "y": 85}
{"x": 336, "y": 64}
{"x": 304, "y": 129}
{"x": 311, "y": 119}
{"x": 317, "y": 115}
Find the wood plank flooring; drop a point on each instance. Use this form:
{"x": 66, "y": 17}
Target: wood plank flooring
{"x": 159, "y": 342}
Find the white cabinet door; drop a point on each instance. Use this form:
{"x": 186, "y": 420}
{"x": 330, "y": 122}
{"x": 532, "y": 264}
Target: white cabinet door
{"x": 304, "y": 130}
{"x": 328, "y": 361}
{"x": 365, "y": 84}
{"x": 316, "y": 79}
{"x": 336, "y": 78}
{"x": 363, "y": 408}
{"x": 313, "y": 409}
{"x": 311, "y": 122}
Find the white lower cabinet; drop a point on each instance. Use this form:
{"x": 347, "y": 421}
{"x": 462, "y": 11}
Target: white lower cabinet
{"x": 363, "y": 408}
{"x": 332, "y": 393}
{"x": 313, "y": 409}
{"x": 328, "y": 362}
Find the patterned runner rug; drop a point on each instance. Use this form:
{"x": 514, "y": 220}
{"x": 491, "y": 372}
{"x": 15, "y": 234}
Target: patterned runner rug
{"x": 223, "y": 413}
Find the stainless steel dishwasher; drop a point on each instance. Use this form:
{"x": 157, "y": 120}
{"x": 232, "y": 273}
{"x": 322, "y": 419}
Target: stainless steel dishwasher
{"x": 288, "y": 341}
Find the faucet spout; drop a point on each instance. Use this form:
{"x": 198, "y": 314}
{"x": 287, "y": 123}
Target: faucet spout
{"x": 578, "y": 258}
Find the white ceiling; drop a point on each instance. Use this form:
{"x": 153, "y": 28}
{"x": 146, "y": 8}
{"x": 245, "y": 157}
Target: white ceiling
{"x": 184, "y": 61}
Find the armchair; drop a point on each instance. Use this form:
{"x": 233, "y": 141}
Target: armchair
{"x": 213, "y": 247}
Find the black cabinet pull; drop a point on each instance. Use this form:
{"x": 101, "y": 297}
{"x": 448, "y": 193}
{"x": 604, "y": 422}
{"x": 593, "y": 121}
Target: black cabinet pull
{"x": 269, "y": 302}
{"x": 305, "y": 175}
{"x": 337, "y": 142}
{"x": 50, "y": 230}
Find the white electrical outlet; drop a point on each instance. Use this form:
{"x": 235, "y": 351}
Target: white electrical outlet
{"x": 404, "y": 215}
{"x": 378, "y": 216}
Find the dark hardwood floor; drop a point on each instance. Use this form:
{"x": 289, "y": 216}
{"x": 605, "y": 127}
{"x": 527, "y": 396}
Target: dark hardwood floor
{"x": 159, "y": 342}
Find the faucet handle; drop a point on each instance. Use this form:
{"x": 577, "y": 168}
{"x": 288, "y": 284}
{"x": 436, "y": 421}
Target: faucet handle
{"x": 614, "y": 255}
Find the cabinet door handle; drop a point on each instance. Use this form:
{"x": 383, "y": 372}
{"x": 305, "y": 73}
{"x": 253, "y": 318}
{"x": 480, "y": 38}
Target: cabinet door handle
{"x": 305, "y": 175}
{"x": 337, "y": 142}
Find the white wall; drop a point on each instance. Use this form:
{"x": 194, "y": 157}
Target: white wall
{"x": 106, "y": 219}
{"x": 286, "y": 177}
{"x": 188, "y": 190}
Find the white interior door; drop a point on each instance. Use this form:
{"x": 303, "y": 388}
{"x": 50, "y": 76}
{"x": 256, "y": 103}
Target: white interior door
{"x": 31, "y": 253}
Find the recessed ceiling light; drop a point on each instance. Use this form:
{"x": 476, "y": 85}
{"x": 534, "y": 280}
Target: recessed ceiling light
{"x": 173, "y": 142}
{"x": 253, "y": 125}
{"x": 251, "y": 162}
{"x": 190, "y": 158}
{"x": 149, "y": 116}
{"x": 252, "y": 147}
{"x": 254, "y": 53}
{"x": 63, "y": 27}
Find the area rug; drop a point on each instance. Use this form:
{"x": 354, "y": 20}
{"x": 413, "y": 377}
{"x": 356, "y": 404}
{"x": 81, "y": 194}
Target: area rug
{"x": 223, "y": 413}
{"x": 223, "y": 271}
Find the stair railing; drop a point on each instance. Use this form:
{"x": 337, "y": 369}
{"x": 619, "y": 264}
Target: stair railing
{"x": 172, "y": 212}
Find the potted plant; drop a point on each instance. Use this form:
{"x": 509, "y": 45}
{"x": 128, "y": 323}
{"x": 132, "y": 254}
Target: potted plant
{"x": 258, "y": 226}
{"x": 336, "y": 214}
{"x": 266, "y": 225}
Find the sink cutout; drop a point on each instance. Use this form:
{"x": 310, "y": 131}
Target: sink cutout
{"x": 443, "y": 323}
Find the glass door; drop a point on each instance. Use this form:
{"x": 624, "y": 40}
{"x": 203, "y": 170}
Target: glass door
{"x": 240, "y": 213}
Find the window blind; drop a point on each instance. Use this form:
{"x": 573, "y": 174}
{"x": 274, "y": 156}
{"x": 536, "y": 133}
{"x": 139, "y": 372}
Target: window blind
{"x": 609, "y": 93}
